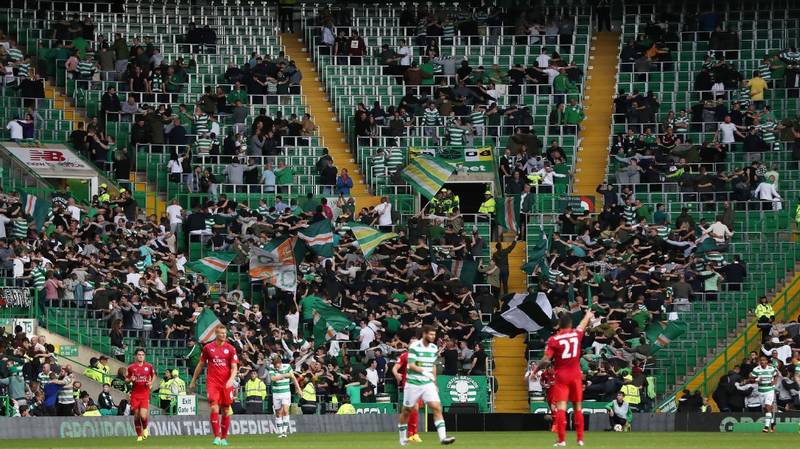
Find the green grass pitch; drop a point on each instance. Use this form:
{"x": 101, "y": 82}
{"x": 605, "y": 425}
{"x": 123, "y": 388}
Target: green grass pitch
{"x": 465, "y": 440}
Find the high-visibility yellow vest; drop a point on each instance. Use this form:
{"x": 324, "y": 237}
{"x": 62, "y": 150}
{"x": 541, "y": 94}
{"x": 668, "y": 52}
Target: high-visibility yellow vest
{"x": 487, "y": 207}
{"x": 309, "y": 393}
{"x": 165, "y": 390}
{"x": 631, "y": 393}
{"x": 180, "y": 384}
{"x": 346, "y": 409}
{"x": 255, "y": 388}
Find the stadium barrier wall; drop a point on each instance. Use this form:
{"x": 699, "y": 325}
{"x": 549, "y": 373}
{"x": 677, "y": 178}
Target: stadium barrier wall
{"x": 122, "y": 426}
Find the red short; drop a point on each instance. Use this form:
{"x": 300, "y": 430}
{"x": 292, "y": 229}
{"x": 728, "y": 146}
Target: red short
{"x": 139, "y": 401}
{"x": 567, "y": 389}
{"x": 219, "y": 395}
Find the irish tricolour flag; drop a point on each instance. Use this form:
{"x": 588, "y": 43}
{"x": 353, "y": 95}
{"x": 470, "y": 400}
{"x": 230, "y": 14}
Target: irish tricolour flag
{"x": 206, "y": 323}
{"x": 213, "y": 266}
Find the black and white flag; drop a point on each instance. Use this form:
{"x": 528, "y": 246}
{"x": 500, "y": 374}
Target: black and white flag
{"x": 522, "y": 313}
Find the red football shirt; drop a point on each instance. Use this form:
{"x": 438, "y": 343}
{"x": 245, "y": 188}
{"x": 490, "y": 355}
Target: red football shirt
{"x": 402, "y": 362}
{"x": 564, "y": 349}
{"x": 219, "y": 359}
{"x": 140, "y": 375}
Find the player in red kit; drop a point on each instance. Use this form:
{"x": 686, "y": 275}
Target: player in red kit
{"x": 400, "y": 371}
{"x": 141, "y": 375}
{"x": 563, "y": 350}
{"x": 223, "y": 364}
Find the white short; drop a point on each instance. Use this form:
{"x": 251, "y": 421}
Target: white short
{"x": 768, "y": 398}
{"x": 279, "y": 400}
{"x": 413, "y": 393}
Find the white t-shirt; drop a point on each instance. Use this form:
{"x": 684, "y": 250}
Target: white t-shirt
{"x": 366, "y": 335}
{"x": 726, "y": 131}
{"x": 174, "y": 213}
{"x": 406, "y": 53}
{"x": 175, "y": 166}
{"x": 372, "y": 377}
{"x": 543, "y": 61}
{"x": 293, "y": 322}
{"x": 133, "y": 279}
{"x": 384, "y": 214}
{"x": 551, "y": 75}
{"x": 75, "y": 211}
{"x": 15, "y": 128}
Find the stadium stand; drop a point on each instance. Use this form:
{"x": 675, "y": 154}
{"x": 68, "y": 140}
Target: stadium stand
{"x": 225, "y": 138}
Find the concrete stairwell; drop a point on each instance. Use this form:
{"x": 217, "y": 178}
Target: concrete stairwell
{"x": 321, "y": 110}
{"x": 509, "y": 353}
{"x": 592, "y": 157}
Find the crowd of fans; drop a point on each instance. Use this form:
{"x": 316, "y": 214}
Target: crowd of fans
{"x": 732, "y": 113}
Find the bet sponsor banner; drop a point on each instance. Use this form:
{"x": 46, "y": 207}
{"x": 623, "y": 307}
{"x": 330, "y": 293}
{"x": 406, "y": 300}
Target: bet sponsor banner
{"x": 472, "y": 159}
{"x": 162, "y": 425}
{"x": 464, "y": 390}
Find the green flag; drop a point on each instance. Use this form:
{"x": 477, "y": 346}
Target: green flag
{"x": 369, "y": 238}
{"x": 508, "y": 213}
{"x": 328, "y": 320}
{"x": 537, "y": 255}
{"x": 427, "y": 175}
{"x": 212, "y": 266}
{"x": 465, "y": 270}
{"x": 37, "y": 208}
{"x": 319, "y": 238}
{"x": 659, "y": 334}
{"x": 204, "y": 328}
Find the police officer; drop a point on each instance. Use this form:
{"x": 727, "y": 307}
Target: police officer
{"x": 631, "y": 392}
{"x": 255, "y": 391}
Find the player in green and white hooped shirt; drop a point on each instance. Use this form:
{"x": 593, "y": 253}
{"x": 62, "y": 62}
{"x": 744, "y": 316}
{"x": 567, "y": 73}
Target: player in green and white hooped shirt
{"x": 765, "y": 376}
{"x": 421, "y": 384}
{"x": 282, "y": 377}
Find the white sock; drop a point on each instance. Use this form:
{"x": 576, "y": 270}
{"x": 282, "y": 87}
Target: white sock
{"x": 403, "y": 428}
{"x": 768, "y": 420}
{"x": 440, "y": 429}
{"x": 286, "y": 424}
{"x": 279, "y": 423}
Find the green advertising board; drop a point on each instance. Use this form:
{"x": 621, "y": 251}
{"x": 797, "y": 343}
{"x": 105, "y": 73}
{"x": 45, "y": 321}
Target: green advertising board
{"x": 67, "y": 350}
{"x": 376, "y": 407}
{"x": 464, "y": 390}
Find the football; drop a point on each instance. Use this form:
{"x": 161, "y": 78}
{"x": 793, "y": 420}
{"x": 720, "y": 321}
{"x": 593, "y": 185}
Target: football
{"x": 617, "y": 427}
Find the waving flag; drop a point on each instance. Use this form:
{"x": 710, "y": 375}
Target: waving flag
{"x": 274, "y": 264}
{"x": 213, "y": 266}
{"x": 37, "y": 208}
{"x": 369, "y": 238}
{"x": 508, "y": 213}
{"x": 319, "y": 238}
{"x": 328, "y": 320}
{"x": 204, "y": 328}
{"x": 427, "y": 175}
{"x": 523, "y": 313}
{"x": 660, "y": 335}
